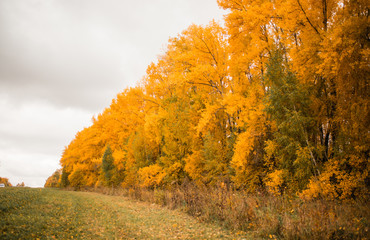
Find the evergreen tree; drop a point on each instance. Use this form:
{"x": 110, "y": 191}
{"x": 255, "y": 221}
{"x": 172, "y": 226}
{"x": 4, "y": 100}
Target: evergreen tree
{"x": 292, "y": 155}
{"x": 64, "y": 178}
{"x": 108, "y": 167}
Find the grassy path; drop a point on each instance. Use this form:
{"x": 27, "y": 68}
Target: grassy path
{"x": 53, "y": 214}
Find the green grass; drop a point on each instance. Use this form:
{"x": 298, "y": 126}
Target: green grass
{"x": 27, "y": 213}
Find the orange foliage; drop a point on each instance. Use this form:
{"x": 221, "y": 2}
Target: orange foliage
{"x": 5, "y": 181}
{"x": 218, "y": 106}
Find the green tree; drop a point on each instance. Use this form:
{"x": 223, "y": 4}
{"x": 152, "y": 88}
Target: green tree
{"x": 64, "y": 178}
{"x": 291, "y": 156}
{"x": 108, "y": 167}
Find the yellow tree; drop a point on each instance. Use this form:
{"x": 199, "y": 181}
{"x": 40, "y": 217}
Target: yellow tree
{"x": 326, "y": 44}
{"x": 81, "y": 160}
{"x": 54, "y": 180}
{"x": 182, "y": 95}
{"x": 164, "y": 134}
{"x": 200, "y": 57}
{"x": 5, "y": 181}
{"x": 339, "y": 76}
{"x": 122, "y": 120}
{"x": 253, "y": 34}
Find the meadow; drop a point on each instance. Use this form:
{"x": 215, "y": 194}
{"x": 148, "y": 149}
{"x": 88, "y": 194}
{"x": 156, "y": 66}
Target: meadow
{"x": 29, "y": 213}
{"x": 188, "y": 213}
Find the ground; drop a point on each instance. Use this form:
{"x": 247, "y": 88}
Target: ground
{"x": 29, "y": 213}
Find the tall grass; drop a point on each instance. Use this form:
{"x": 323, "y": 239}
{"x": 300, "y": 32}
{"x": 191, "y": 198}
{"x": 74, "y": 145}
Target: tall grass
{"x": 263, "y": 216}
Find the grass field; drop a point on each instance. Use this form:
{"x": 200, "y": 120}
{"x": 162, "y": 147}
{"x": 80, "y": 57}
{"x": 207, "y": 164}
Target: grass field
{"x": 27, "y": 213}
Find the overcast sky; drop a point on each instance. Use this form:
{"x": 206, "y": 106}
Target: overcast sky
{"x": 62, "y": 62}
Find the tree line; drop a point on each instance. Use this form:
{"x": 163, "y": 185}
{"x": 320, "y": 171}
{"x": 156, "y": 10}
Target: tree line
{"x": 274, "y": 99}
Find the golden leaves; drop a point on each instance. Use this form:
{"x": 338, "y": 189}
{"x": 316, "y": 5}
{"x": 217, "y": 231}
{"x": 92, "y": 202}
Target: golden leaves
{"x": 203, "y": 110}
{"x": 151, "y": 176}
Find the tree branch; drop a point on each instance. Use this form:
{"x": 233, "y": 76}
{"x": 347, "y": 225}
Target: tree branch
{"x": 308, "y": 20}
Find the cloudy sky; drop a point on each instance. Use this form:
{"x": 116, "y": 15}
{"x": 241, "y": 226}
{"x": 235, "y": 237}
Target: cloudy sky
{"x": 62, "y": 62}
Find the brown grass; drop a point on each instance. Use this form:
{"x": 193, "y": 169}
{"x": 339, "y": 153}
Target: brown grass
{"x": 263, "y": 216}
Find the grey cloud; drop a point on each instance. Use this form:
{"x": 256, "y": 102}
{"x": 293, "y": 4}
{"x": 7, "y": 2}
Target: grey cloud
{"x": 62, "y": 61}
{"x": 76, "y": 53}
{"x": 59, "y": 56}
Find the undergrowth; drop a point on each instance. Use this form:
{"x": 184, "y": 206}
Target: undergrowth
{"x": 263, "y": 216}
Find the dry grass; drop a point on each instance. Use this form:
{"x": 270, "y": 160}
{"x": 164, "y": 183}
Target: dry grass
{"x": 264, "y": 216}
